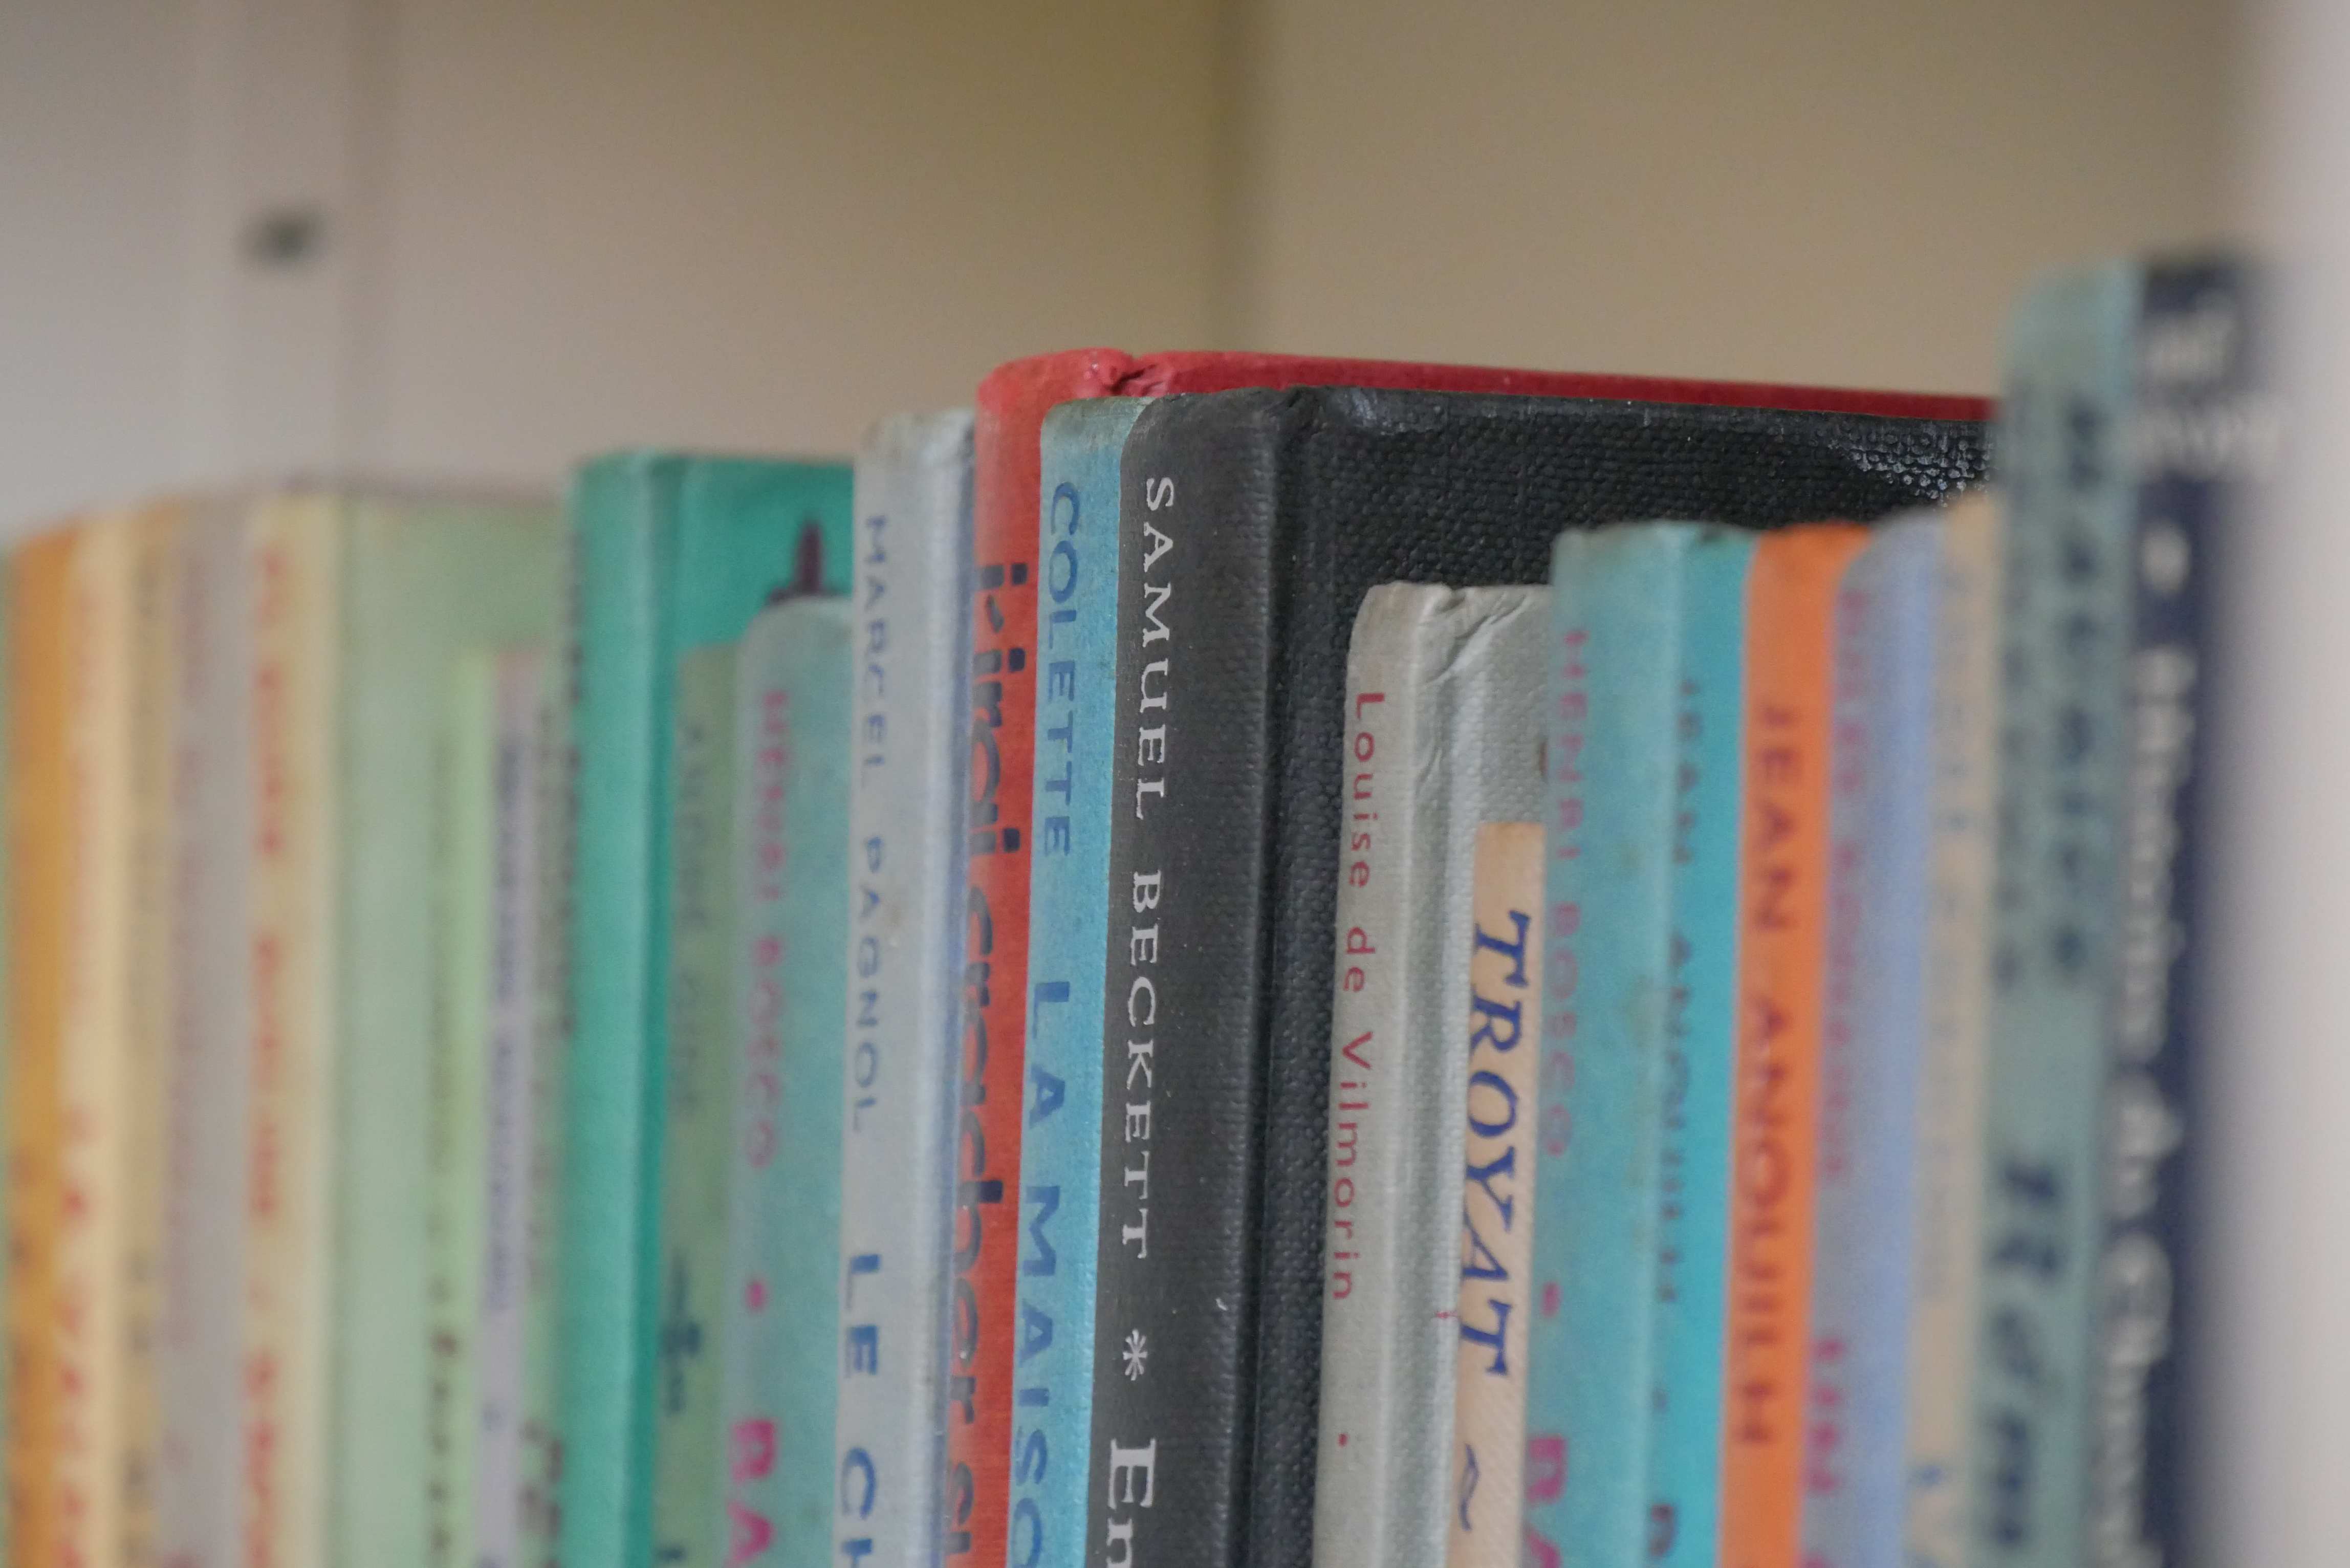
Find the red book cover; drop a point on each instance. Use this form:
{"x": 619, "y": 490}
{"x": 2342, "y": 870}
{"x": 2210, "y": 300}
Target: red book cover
{"x": 1011, "y": 404}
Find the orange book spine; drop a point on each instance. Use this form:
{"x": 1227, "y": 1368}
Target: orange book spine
{"x": 39, "y": 893}
{"x": 1782, "y": 923}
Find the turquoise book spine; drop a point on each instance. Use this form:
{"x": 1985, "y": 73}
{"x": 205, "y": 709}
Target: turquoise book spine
{"x": 2069, "y": 579}
{"x": 782, "y": 1225}
{"x": 1886, "y": 621}
{"x": 1068, "y": 930}
{"x": 668, "y": 552}
{"x": 1691, "y": 1301}
{"x": 1613, "y": 681}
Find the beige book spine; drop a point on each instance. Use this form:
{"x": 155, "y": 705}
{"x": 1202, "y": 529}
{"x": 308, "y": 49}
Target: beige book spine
{"x": 154, "y": 685}
{"x": 1497, "y": 1199}
{"x": 295, "y": 597}
{"x": 94, "y": 1070}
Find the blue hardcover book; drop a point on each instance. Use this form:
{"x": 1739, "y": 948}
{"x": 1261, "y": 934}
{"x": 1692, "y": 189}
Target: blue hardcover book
{"x": 671, "y": 555}
{"x": 1614, "y": 680}
{"x": 1879, "y": 854}
{"x": 1068, "y": 930}
{"x": 1700, "y": 1057}
{"x": 782, "y": 1217}
{"x": 2207, "y": 436}
{"x": 2068, "y": 578}
{"x": 904, "y": 918}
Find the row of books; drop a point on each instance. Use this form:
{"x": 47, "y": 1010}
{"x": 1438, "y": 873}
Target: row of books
{"x": 1223, "y": 960}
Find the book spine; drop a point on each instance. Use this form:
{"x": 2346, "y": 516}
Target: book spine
{"x": 297, "y": 648}
{"x": 1060, "y": 1157}
{"x": 539, "y": 1481}
{"x": 780, "y": 1332}
{"x": 153, "y": 831}
{"x": 1783, "y": 902}
{"x": 40, "y": 892}
{"x": 1613, "y": 681}
{"x": 2064, "y": 746}
{"x": 1950, "y": 1075}
{"x": 425, "y": 582}
{"x": 457, "y": 1129}
{"x": 1830, "y": 1379}
{"x": 1874, "y": 1016}
{"x": 1691, "y": 1301}
{"x": 510, "y": 1107}
{"x": 2198, "y": 445}
{"x": 1442, "y": 712}
{"x": 7, "y": 1003}
{"x": 904, "y": 923}
{"x": 198, "y": 1480}
{"x": 1380, "y": 1493}
{"x": 982, "y": 1249}
{"x": 94, "y": 1082}
{"x": 1497, "y": 1218}
{"x": 1176, "y": 1299}
{"x": 696, "y": 1142}
{"x": 618, "y": 769}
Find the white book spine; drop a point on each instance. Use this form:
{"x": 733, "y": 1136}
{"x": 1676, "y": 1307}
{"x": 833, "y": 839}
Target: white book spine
{"x": 199, "y": 1483}
{"x": 904, "y": 928}
{"x": 500, "y": 1369}
{"x": 1949, "y": 1168}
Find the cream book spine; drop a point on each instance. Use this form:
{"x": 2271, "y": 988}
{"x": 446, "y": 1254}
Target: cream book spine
{"x": 1503, "y": 1026}
{"x": 199, "y": 1473}
{"x": 296, "y": 591}
{"x": 95, "y": 1073}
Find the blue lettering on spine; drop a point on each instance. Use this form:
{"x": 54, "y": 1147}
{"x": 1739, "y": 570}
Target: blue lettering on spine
{"x": 861, "y": 1478}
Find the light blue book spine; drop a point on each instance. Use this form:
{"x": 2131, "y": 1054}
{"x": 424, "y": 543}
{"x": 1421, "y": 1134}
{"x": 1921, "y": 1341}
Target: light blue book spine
{"x": 1948, "y": 1174}
{"x": 1614, "y": 678}
{"x": 1068, "y": 926}
{"x": 1874, "y": 1043}
{"x": 782, "y": 1221}
{"x": 904, "y": 920}
{"x": 2069, "y": 581}
{"x": 1700, "y": 1056}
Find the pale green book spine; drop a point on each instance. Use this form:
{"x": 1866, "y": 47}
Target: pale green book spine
{"x": 698, "y": 1124}
{"x": 459, "y": 1064}
{"x": 422, "y": 583}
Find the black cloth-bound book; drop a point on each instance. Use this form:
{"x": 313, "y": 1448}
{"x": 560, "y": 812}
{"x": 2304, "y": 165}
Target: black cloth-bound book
{"x": 1251, "y": 524}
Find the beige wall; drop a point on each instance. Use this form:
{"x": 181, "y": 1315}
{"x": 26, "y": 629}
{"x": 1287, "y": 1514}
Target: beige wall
{"x": 558, "y": 226}
{"x": 762, "y": 225}
{"x": 555, "y": 225}
{"x": 1844, "y": 191}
